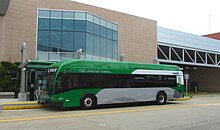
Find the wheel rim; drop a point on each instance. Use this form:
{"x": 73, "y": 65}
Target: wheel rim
{"x": 88, "y": 102}
{"x": 161, "y": 98}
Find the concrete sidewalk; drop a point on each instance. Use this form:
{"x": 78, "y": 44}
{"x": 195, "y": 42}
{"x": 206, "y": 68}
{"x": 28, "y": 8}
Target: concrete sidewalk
{"x": 14, "y": 104}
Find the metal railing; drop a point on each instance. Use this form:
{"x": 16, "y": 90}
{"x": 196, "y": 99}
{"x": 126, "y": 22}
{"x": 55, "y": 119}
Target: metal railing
{"x": 57, "y": 56}
{"x": 178, "y": 55}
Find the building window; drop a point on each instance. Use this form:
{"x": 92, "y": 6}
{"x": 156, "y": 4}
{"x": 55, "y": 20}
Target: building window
{"x": 43, "y": 23}
{"x": 80, "y": 25}
{"x": 79, "y": 41}
{"x": 55, "y": 24}
{"x": 55, "y": 40}
{"x": 89, "y": 27}
{"x": 80, "y": 15}
{"x": 56, "y": 14}
{"x": 68, "y": 25}
{"x": 68, "y": 15}
{"x": 62, "y": 33}
{"x": 43, "y": 13}
{"x": 89, "y": 17}
{"x": 67, "y": 41}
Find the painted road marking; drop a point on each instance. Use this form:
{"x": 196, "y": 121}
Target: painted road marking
{"x": 102, "y": 113}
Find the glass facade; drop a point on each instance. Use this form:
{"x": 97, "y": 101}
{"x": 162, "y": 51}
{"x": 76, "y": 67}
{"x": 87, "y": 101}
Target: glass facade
{"x": 61, "y": 33}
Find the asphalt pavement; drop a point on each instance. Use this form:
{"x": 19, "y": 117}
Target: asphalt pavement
{"x": 200, "y": 113}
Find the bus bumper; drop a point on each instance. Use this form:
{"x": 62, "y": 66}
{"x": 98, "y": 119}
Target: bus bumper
{"x": 177, "y": 95}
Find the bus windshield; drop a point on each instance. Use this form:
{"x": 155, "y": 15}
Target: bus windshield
{"x": 48, "y": 82}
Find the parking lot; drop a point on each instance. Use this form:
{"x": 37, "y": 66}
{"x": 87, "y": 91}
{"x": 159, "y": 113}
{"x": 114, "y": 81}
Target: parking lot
{"x": 202, "y": 112}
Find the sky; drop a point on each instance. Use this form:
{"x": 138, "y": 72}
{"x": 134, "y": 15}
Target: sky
{"x": 197, "y": 17}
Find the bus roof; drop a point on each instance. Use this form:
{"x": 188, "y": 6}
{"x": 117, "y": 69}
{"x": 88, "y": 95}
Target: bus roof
{"x": 117, "y": 67}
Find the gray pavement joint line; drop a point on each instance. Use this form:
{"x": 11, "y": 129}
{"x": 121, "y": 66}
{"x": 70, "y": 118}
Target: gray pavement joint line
{"x": 100, "y": 113}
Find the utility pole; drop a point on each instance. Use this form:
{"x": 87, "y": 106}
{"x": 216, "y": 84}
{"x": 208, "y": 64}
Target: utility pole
{"x": 22, "y": 95}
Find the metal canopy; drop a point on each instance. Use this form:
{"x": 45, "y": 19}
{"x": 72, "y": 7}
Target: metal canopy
{"x": 187, "y": 49}
{"x": 187, "y": 56}
{"x": 36, "y": 64}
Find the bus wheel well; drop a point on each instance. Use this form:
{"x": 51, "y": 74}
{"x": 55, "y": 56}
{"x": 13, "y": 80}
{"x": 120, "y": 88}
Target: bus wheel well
{"x": 89, "y": 94}
{"x": 162, "y": 91}
{"x": 161, "y": 97}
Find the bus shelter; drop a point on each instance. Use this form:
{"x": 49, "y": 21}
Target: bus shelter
{"x": 34, "y": 70}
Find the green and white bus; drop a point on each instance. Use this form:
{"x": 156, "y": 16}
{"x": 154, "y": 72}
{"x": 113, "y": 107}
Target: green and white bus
{"x": 89, "y": 83}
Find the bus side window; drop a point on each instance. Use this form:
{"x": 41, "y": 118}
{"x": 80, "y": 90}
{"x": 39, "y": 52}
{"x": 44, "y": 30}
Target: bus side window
{"x": 171, "y": 80}
{"x": 154, "y": 81}
{"x": 121, "y": 81}
{"x": 140, "y": 81}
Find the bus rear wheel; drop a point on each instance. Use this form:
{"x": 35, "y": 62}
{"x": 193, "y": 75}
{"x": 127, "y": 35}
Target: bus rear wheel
{"x": 161, "y": 98}
{"x": 88, "y": 102}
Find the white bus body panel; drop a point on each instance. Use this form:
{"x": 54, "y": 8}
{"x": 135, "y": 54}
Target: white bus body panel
{"x": 126, "y": 95}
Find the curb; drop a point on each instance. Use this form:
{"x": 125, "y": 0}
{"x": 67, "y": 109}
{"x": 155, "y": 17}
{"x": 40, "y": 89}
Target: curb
{"x": 183, "y": 99}
{"x": 19, "y": 105}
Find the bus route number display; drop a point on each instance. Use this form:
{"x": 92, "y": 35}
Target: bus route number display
{"x": 52, "y": 70}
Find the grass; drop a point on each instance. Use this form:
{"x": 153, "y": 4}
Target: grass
{"x": 189, "y": 95}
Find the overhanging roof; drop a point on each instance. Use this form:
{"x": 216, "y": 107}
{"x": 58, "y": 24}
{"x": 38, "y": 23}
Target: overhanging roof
{"x": 184, "y": 48}
{"x": 4, "y": 6}
{"x": 35, "y": 64}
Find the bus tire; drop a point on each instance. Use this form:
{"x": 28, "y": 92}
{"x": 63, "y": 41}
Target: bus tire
{"x": 161, "y": 98}
{"x": 88, "y": 102}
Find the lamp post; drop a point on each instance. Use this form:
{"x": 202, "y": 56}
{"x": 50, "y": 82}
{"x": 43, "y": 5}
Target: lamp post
{"x": 78, "y": 53}
{"x": 122, "y": 57}
{"x": 22, "y": 95}
{"x": 155, "y": 60}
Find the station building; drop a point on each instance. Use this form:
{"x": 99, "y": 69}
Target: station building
{"x": 55, "y": 29}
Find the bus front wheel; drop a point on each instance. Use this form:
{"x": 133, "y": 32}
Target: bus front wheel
{"x": 88, "y": 102}
{"x": 161, "y": 98}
